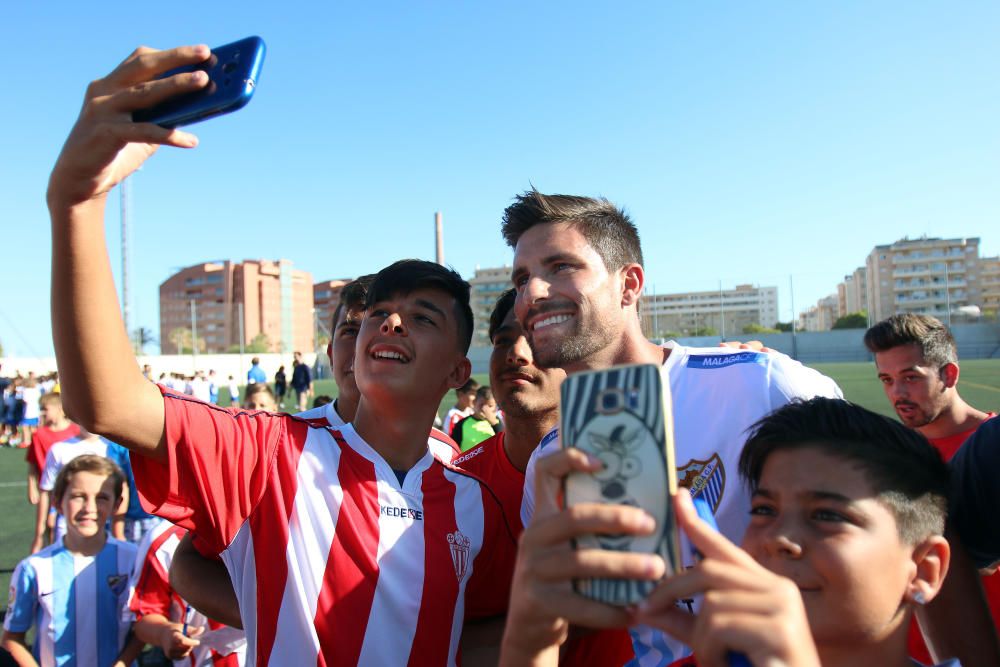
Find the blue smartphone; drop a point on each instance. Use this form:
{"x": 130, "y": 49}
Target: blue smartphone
{"x": 233, "y": 71}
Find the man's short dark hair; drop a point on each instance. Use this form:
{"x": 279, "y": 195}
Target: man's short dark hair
{"x": 933, "y": 337}
{"x": 607, "y": 228}
{"x": 408, "y": 275}
{"x": 906, "y": 472}
{"x": 352, "y": 296}
{"x": 500, "y": 310}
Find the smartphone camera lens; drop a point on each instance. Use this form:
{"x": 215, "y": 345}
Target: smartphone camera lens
{"x": 229, "y": 67}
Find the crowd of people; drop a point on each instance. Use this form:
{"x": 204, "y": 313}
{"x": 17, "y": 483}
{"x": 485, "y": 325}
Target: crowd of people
{"x": 355, "y": 532}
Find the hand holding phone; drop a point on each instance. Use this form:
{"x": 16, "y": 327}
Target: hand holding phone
{"x": 233, "y": 71}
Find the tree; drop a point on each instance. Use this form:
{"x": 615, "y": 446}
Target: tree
{"x": 758, "y": 329}
{"x": 858, "y": 320}
{"x": 783, "y": 326}
{"x": 142, "y": 337}
{"x": 705, "y": 331}
{"x": 260, "y": 343}
{"x": 180, "y": 338}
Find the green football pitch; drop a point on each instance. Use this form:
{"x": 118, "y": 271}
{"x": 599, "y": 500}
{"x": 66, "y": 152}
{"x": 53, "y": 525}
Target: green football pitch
{"x": 979, "y": 385}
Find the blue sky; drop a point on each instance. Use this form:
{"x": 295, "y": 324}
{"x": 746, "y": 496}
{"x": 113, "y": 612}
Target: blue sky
{"x": 750, "y": 141}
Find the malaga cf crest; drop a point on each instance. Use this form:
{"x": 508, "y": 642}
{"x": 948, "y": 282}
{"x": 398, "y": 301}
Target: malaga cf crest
{"x": 704, "y": 478}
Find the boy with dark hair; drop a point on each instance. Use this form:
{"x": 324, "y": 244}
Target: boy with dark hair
{"x": 345, "y": 546}
{"x": 74, "y": 592}
{"x": 579, "y": 279}
{"x": 845, "y": 541}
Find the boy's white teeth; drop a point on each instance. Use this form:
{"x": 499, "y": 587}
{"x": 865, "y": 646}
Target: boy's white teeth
{"x": 555, "y": 319}
{"x": 389, "y": 355}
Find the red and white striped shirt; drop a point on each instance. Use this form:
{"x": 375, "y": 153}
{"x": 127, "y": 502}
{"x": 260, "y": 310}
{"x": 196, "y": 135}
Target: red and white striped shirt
{"x": 334, "y": 561}
{"x": 151, "y": 593}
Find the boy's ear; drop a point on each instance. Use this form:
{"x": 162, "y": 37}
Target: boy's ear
{"x": 932, "y": 557}
{"x": 460, "y": 374}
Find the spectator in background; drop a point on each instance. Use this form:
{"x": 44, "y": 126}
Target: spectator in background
{"x": 482, "y": 424}
{"x": 917, "y": 363}
{"x": 234, "y": 393}
{"x": 280, "y": 386}
{"x": 465, "y": 396}
{"x": 200, "y": 388}
{"x": 256, "y": 373}
{"x": 213, "y": 387}
{"x": 55, "y": 427}
{"x": 260, "y": 397}
{"x": 301, "y": 382}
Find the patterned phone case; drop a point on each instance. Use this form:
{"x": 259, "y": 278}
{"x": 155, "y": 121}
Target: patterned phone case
{"x": 622, "y": 415}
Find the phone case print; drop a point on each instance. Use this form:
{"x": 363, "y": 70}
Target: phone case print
{"x": 622, "y": 416}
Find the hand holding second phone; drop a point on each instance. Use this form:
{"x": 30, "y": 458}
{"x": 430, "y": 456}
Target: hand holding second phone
{"x": 105, "y": 145}
{"x": 747, "y": 609}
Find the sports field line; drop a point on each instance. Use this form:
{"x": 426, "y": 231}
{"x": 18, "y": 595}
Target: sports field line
{"x": 981, "y": 386}
{"x": 9, "y": 484}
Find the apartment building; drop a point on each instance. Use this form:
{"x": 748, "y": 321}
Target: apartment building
{"x": 852, "y": 294}
{"x": 326, "y": 298}
{"x": 726, "y": 311}
{"x": 989, "y": 284}
{"x": 822, "y": 316}
{"x": 225, "y": 302}
{"x": 486, "y": 287}
{"x": 926, "y": 275}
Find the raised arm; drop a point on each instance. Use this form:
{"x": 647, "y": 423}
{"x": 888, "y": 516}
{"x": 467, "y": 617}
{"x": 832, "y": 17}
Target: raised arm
{"x": 102, "y": 386}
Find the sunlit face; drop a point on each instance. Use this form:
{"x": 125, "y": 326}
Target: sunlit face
{"x": 51, "y": 413}
{"x": 567, "y": 302}
{"x": 816, "y": 520}
{"x": 87, "y": 503}
{"x": 408, "y": 346}
{"x": 345, "y": 336}
{"x": 521, "y": 388}
{"x": 916, "y": 389}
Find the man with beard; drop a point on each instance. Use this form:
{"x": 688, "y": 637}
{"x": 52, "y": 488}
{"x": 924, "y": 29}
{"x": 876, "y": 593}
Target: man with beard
{"x": 917, "y": 363}
{"x": 578, "y": 272}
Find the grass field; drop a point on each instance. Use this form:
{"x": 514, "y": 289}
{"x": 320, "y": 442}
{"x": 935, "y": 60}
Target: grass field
{"x": 979, "y": 385}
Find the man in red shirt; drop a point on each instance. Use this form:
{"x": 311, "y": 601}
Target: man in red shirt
{"x": 55, "y": 428}
{"x": 917, "y": 363}
{"x": 346, "y": 546}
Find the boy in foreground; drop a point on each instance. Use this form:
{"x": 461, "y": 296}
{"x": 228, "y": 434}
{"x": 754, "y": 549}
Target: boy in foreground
{"x": 74, "y": 592}
{"x": 347, "y": 546}
{"x": 845, "y": 540}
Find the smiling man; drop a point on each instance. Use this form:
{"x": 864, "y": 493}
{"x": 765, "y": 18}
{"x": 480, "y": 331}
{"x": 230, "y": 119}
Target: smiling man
{"x": 578, "y": 273}
{"x": 348, "y": 546}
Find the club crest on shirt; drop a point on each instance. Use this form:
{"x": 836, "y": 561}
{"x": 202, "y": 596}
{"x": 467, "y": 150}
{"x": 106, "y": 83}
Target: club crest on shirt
{"x": 704, "y": 478}
{"x": 460, "y": 546}
{"x": 117, "y": 583}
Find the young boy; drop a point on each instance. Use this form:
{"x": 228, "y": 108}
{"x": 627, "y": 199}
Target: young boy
{"x": 74, "y": 592}
{"x": 55, "y": 428}
{"x": 482, "y": 424}
{"x": 845, "y": 540}
{"x": 464, "y": 398}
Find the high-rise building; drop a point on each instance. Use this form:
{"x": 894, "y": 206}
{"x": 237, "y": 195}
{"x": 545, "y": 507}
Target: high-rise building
{"x": 726, "y": 311}
{"x": 822, "y": 316}
{"x": 852, "y": 293}
{"x": 268, "y": 298}
{"x": 487, "y": 286}
{"x": 939, "y": 277}
{"x": 989, "y": 283}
